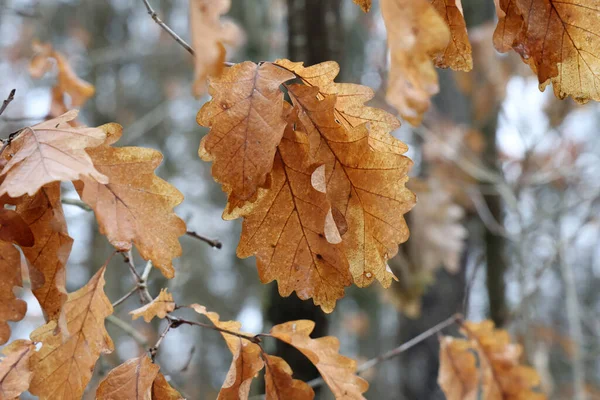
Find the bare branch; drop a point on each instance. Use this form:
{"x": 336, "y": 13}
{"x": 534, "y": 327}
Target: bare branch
{"x": 128, "y": 295}
{"x": 130, "y": 330}
{"x": 77, "y": 203}
{"x": 11, "y": 97}
{"x": 166, "y": 28}
{"x": 211, "y": 242}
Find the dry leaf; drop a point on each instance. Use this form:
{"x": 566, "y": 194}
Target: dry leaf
{"x": 161, "y": 390}
{"x": 136, "y": 205}
{"x": 159, "y": 307}
{"x": 11, "y": 308}
{"x": 246, "y": 363}
{"x": 15, "y": 371}
{"x": 337, "y": 371}
{"x": 246, "y": 126}
{"x": 209, "y": 36}
{"x": 366, "y": 185}
{"x": 364, "y": 4}
{"x": 13, "y": 229}
{"x": 48, "y": 257}
{"x": 287, "y": 233}
{"x": 48, "y": 152}
{"x": 64, "y": 365}
{"x": 415, "y": 32}
{"x": 279, "y": 384}
{"x": 559, "y": 40}
{"x": 457, "y": 54}
{"x": 131, "y": 380}
{"x": 500, "y": 377}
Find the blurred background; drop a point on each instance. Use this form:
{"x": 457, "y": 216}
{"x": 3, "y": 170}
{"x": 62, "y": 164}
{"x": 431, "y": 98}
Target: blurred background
{"x": 507, "y": 180}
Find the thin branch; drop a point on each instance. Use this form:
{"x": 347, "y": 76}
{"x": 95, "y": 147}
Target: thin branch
{"x": 147, "y": 270}
{"x": 128, "y": 295}
{"x": 11, "y": 97}
{"x": 176, "y": 322}
{"x": 128, "y": 259}
{"x": 211, "y": 242}
{"x": 166, "y": 28}
{"x": 77, "y": 203}
{"x": 154, "y": 349}
{"x": 130, "y": 330}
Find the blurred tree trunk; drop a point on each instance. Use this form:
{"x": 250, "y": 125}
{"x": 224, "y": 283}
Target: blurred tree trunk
{"x": 314, "y": 36}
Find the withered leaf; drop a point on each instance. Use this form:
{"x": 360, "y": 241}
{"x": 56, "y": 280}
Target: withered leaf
{"x": 48, "y": 152}
{"x": 457, "y": 54}
{"x": 13, "y": 229}
{"x": 510, "y": 22}
{"x": 47, "y": 258}
{"x": 279, "y": 384}
{"x": 131, "y": 380}
{"x": 364, "y": 4}
{"x": 501, "y": 376}
{"x": 161, "y": 390}
{"x": 246, "y": 125}
{"x": 15, "y": 371}
{"x": 337, "y": 371}
{"x": 415, "y": 32}
{"x": 286, "y": 231}
{"x": 159, "y": 307}
{"x": 136, "y": 205}
{"x": 63, "y": 366}
{"x": 246, "y": 363}
{"x": 366, "y": 185}
{"x": 11, "y": 308}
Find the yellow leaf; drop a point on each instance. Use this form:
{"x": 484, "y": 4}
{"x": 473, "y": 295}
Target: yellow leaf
{"x": 279, "y": 384}
{"x": 457, "y": 54}
{"x": 131, "y": 380}
{"x": 159, "y": 307}
{"x": 15, "y": 371}
{"x": 161, "y": 390}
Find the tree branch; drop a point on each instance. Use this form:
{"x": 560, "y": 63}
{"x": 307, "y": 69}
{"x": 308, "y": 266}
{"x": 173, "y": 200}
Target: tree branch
{"x": 130, "y": 330}
{"x": 76, "y": 203}
{"x": 166, "y": 28}
{"x": 11, "y": 97}
{"x": 211, "y": 242}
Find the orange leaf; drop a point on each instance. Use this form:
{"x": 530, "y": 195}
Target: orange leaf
{"x": 48, "y": 257}
{"x": 457, "y": 54}
{"x": 287, "y": 231}
{"x": 48, "y": 152}
{"x": 415, "y": 31}
{"x": 364, "y": 4}
{"x": 509, "y": 25}
{"x": 365, "y": 184}
{"x": 246, "y": 362}
{"x": 131, "y": 380}
{"x": 161, "y": 390}
{"x": 15, "y": 371}
{"x": 159, "y": 307}
{"x": 337, "y": 371}
{"x": 136, "y": 205}
{"x": 246, "y": 126}
{"x": 279, "y": 384}
{"x": 13, "y": 229}
{"x": 11, "y": 308}
{"x": 63, "y": 366}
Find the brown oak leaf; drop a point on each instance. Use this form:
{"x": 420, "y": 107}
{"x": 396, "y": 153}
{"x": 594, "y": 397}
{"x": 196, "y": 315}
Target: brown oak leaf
{"x": 246, "y": 125}
{"x": 63, "y": 367}
{"x": 15, "y": 371}
{"x": 457, "y": 54}
{"x": 131, "y": 380}
{"x": 136, "y": 205}
{"x": 11, "y": 308}
{"x": 510, "y": 22}
{"x": 159, "y": 307}
{"x": 161, "y": 390}
{"x": 14, "y": 229}
{"x": 48, "y": 152}
{"x": 337, "y": 371}
{"x": 279, "y": 384}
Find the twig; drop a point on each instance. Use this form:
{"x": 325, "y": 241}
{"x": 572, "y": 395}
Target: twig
{"x": 11, "y": 97}
{"x": 77, "y": 203}
{"x": 128, "y": 295}
{"x": 128, "y": 259}
{"x": 176, "y": 322}
{"x": 130, "y": 330}
{"x": 170, "y": 31}
{"x": 211, "y": 242}
{"x": 147, "y": 270}
{"x": 154, "y": 349}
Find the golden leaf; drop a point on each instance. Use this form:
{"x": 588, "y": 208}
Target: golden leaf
{"x": 246, "y": 361}
{"x": 337, "y": 371}
{"x": 159, "y": 307}
{"x": 161, "y": 390}
{"x": 287, "y": 233}
{"x": 11, "y": 308}
{"x": 364, "y": 184}
{"x": 364, "y": 4}
{"x": 136, "y": 205}
{"x": 15, "y": 371}
{"x": 509, "y": 25}
{"x": 48, "y": 152}
{"x": 63, "y": 366}
{"x": 415, "y": 32}
{"x": 246, "y": 126}
{"x": 131, "y": 380}
{"x": 279, "y": 384}
{"x": 501, "y": 376}
{"x": 457, "y": 54}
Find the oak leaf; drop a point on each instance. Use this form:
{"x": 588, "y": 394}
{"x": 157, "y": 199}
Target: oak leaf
{"x": 11, "y": 308}
{"x": 457, "y": 54}
{"x": 415, "y": 32}
{"x": 501, "y": 376}
{"x": 364, "y": 4}
{"x": 287, "y": 230}
{"x": 161, "y": 390}
{"x": 135, "y": 205}
{"x": 366, "y": 185}
{"x": 14, "y": 229}
{"x": 159, "y": 307}
{"x": 131, "y": 380}
{"x": 246, "y": 125}
{"x": 15, "y": 371}
{"x": 246, "y": 363}
{"x": 559, "y": 40}
{"x": 63, "y": 366}
{"x": 48, "y": 152}
{"x": 337, "y": 371}
{"x": 47, "y": 258}
{"x": 279, "y": 384}
{"x": 510, "y": 22}
{"x": 209, "y": 35}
